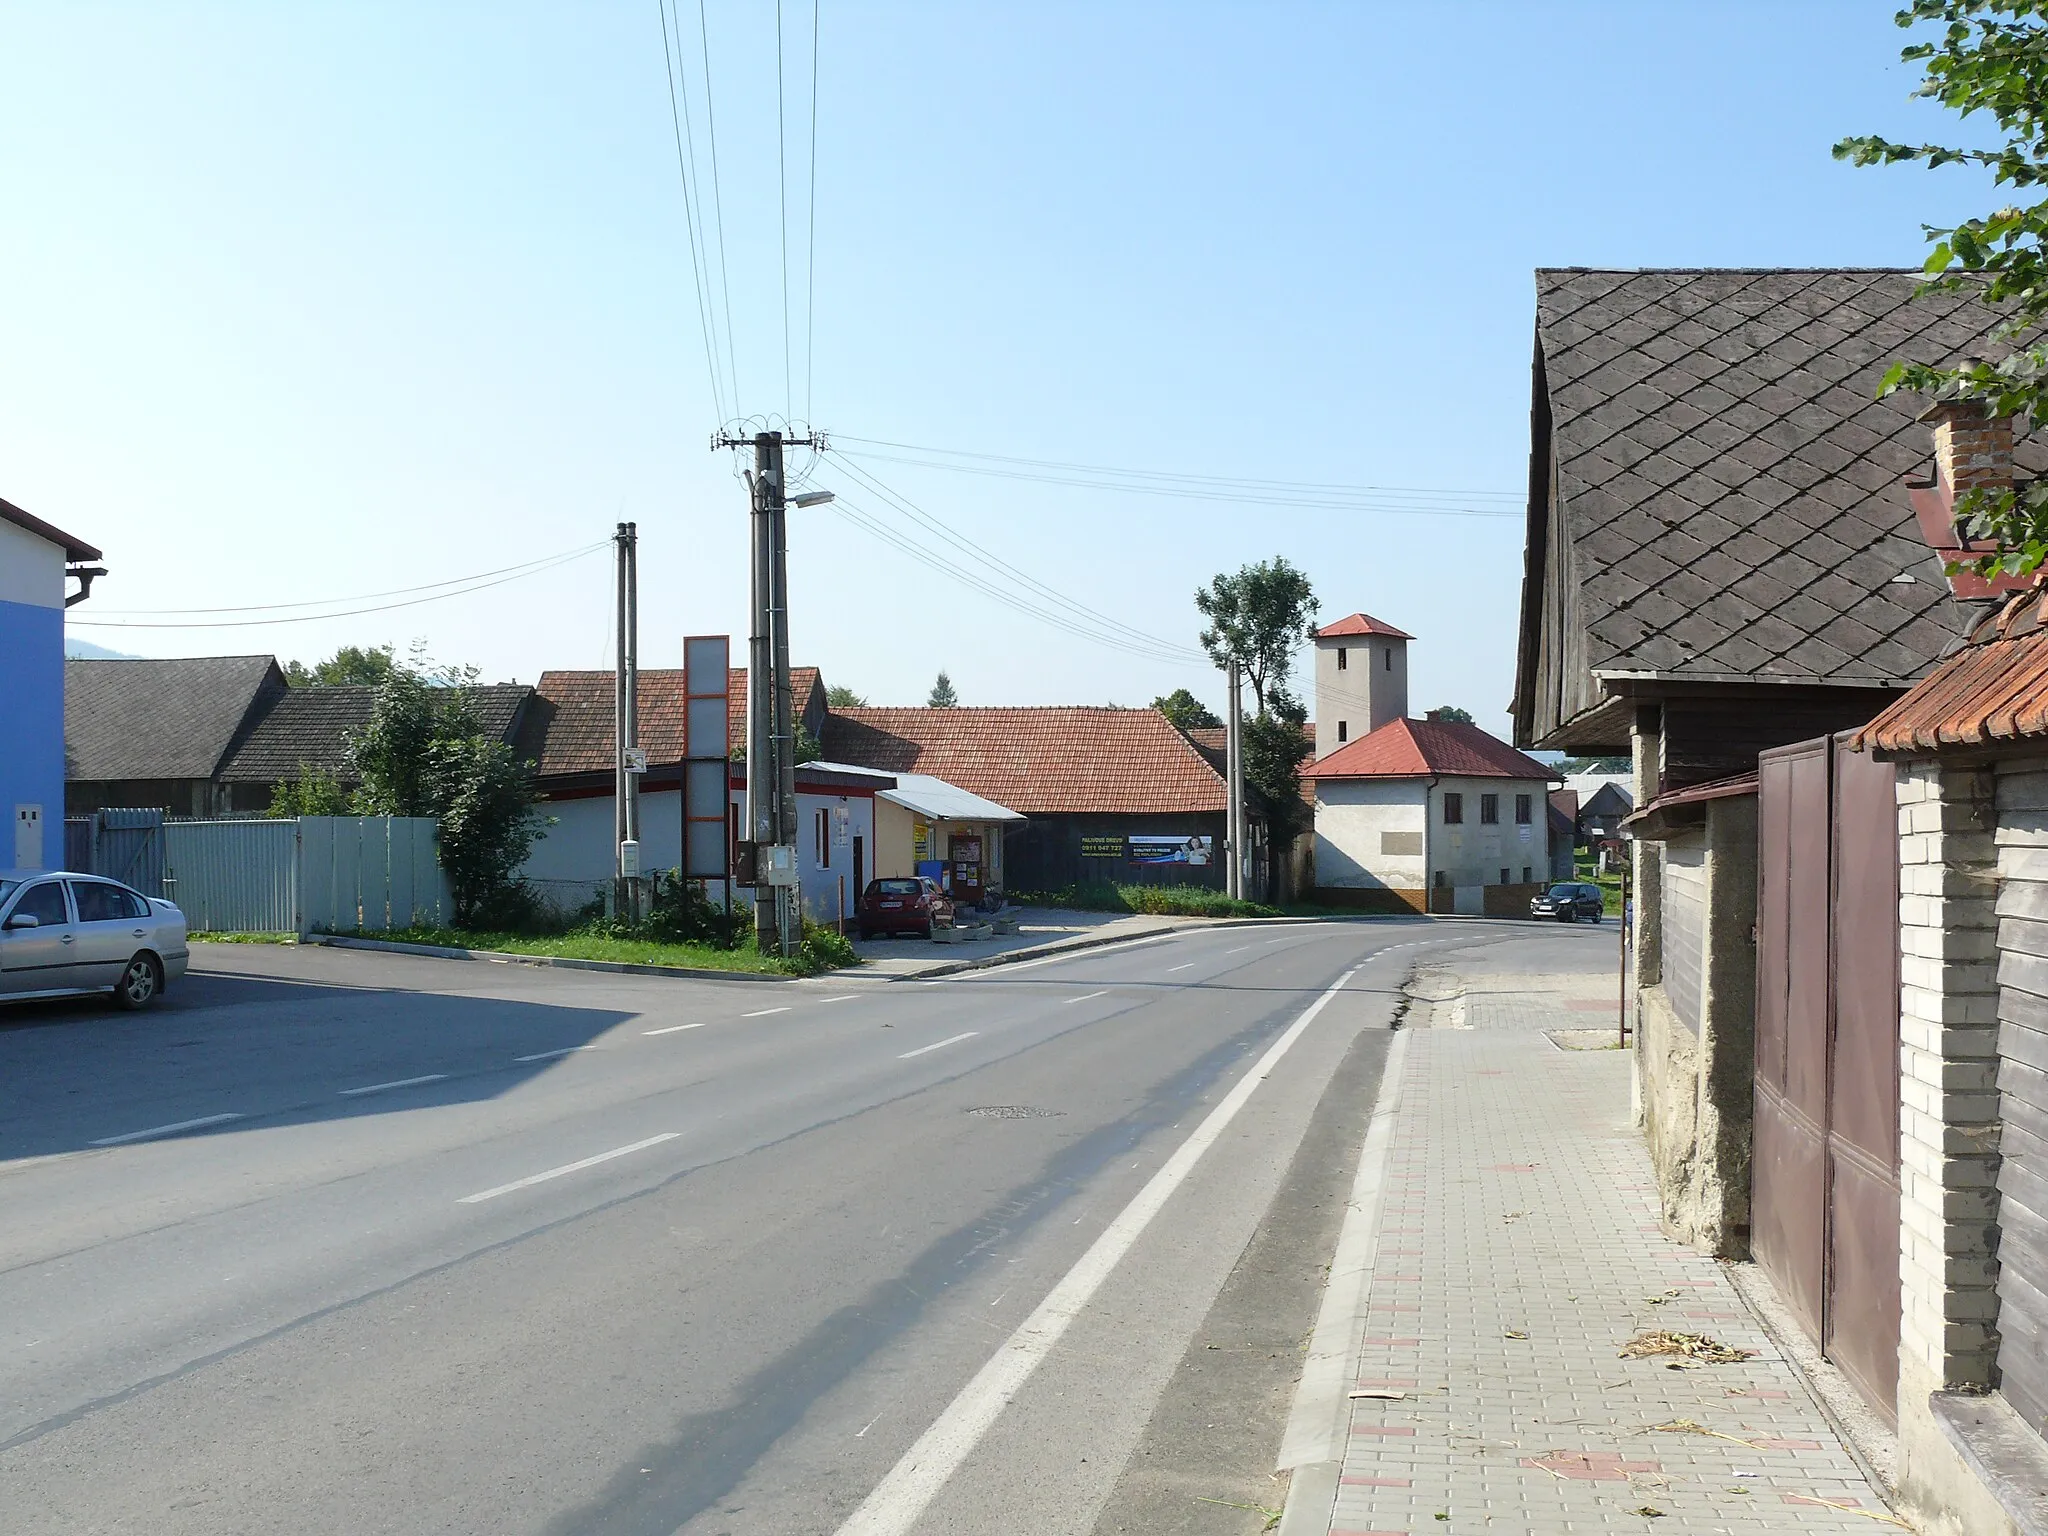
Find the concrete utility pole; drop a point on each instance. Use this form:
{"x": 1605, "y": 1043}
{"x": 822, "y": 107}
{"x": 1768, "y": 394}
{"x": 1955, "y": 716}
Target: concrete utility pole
{"x": 626, "y": 724}
{"x": 1233, "y": 778}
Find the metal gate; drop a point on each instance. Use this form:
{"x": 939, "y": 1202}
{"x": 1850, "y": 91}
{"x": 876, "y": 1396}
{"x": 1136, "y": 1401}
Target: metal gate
{"x": 122, "y": 843}
{"x": 1825, "y": 1172}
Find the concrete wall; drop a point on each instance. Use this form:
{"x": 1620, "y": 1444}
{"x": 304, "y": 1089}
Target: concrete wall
{"x": 1370, "y": 834}
{"x": 31, "y": 699}
{"x": 1369, "y": 689}
{"x": 1472, "y": 854}
{"x": 1693, "y": 1081}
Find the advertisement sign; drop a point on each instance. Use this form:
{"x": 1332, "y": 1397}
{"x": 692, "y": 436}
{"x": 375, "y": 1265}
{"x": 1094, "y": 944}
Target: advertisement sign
{"x": 1170, "y": 850}
{"x": 1102, "y": 847}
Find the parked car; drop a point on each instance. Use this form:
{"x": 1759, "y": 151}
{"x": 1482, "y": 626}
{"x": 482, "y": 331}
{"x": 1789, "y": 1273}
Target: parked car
{"x": 910, "y": 904}
{"x": 1568, "y": 901}
{"x": 62, "y": 934}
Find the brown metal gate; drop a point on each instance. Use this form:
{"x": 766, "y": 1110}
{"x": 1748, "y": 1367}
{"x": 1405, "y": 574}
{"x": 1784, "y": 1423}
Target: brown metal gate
{"x": 1825, "y": 1173}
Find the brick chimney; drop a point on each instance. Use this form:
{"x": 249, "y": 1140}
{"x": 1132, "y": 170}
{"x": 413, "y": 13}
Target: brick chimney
{"x": 1972, "y": 451}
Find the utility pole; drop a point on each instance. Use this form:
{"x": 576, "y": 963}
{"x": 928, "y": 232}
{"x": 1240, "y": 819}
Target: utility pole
{"x": 1233, "y": 776}
{"x": 626, "y": 724}
{"x": 771, "y": 697}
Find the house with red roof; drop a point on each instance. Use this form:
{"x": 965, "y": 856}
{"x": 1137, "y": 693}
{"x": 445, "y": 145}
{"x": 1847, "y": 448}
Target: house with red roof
{"x": 1431, "y": 815}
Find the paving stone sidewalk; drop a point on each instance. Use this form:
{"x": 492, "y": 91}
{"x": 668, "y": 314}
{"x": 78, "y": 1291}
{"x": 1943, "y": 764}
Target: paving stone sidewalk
{"x": 1518, "y": 1251}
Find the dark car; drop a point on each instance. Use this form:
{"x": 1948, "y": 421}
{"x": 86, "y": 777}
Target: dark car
{"x": 1568, "y": 901}
{"x": 905, "y": 905}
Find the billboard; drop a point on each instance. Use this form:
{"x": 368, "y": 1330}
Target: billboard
{"x": 1170, "y": 850}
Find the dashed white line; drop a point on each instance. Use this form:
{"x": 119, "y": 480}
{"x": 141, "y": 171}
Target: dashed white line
{"x": 673, "y": 1028}
{"x": 164, "y": 1130}
{"x": 763, "y": 1013}
{"x": 1237, "y": 951}
{"x": 403, "y": 1082}
{"x": 567, "y": 1050}
{"x": 955, "y": 1040}
{"x": 576, "y": 1167}
{"x": 844, "y": 998}
{"x": 1086, "y": 995}
{"x": 1188, "y": 967}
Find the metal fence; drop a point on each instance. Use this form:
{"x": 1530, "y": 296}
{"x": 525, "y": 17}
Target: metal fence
{"x": 334, "y": 874}
{"x": 125, "y": 844}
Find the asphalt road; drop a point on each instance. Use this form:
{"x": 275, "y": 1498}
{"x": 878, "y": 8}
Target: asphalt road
{"x": 351, "y": 1243}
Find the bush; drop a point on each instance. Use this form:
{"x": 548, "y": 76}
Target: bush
{"x": 824, "y": 949}
{"x": 1152, "y": 900}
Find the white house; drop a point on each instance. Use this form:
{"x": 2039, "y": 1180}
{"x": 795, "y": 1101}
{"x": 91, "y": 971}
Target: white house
{"x": 1434, "y": 815}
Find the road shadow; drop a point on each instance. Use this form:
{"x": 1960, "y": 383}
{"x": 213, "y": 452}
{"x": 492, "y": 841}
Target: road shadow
{"x": 77, "y": 1074}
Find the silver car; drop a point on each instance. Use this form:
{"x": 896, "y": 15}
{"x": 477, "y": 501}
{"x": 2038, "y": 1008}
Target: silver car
{"x": 63, "y": 934}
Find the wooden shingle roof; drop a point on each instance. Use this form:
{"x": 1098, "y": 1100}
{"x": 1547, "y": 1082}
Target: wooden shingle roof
{"x": 309, "y": 728}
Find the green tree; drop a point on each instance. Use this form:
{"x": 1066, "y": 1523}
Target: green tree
{"x": 1259, "y": 617}
{"x": 1276, "y": 744}
{"x": 1187, "y": 712}
{"x": 943, "y": 696}
{"x": 1450, "y": 712}
{"x": 313, "y": 793}
{"x": 842, "y": 697}
{"x": 1991, "y": 58}
{"x": 426, "y": 753}
{"x": 350, "y": 664}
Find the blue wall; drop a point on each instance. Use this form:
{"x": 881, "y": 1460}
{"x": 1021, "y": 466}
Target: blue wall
{"x": 32, "y": 723}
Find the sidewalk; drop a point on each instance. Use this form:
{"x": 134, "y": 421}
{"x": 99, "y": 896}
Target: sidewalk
{"x": 1517, "y": 1252}
{"x": 1043, "y": 930}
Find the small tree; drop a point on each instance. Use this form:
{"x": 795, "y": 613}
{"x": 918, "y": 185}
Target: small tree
{"x": 349, "y": 664}
{"x": 1259, "y": 617}
{"x": 1275, "y": 747}
{"x": 1992, "y": 57}
{"x": 844, "y": 698}
{"x": 1187, "y": 712}
{"x": 1450, "y": 712}
{"x": 943, "y": 696}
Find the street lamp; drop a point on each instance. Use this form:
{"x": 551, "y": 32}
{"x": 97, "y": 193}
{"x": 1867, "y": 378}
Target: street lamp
{"x": 812, "y": 499}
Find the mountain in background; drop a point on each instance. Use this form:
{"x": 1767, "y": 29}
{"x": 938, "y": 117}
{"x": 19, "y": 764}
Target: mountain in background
{"x": 85, "y": 650}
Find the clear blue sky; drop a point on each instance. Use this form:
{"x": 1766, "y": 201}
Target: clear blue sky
{"x": 313, "y": 301}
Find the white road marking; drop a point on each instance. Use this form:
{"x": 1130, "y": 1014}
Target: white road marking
{"x": 673, "y": 1028}
{"x": 1188, "y": 967}
{"x": 955, "y": 1040}
{"x": 764, "y": 1012}
{"x": 403, "y": 1082}
{"x": 164, "y": 1130}
{"x": 576, "y": 1167}
{"x": 1237, "y": 951}
{"x": 567, "y": 1050}
{"x": 1087, "y": 995}
{"x": 845, "y": 998}
{"x": 902, "y": 1497}
{"x": 1281, "y": 940}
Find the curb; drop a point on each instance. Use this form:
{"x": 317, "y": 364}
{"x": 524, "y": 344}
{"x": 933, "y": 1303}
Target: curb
{"x": 558, "y": 962}
{"x": 1072, "y": 946}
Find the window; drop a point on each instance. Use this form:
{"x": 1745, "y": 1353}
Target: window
{"x": 1388, "y": 657}
{"x": 1526, "y": 874}
{"x": 821, "y": 821}
{"x": 1522, "y": 809}
{"x": 1443, "y": 878}
{"x": 44, "y": 903}
{"x": 98, "y": 903}
{"x": 1489, "y": 810}
{"x": 1343, "y": 659}
{"x": 1504, "y": 877}
{"x": 1454, "y": 809}
{"x": 1343, "y": 730}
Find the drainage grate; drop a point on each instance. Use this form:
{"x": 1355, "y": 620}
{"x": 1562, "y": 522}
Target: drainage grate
{"x": 1014, "y": 1112}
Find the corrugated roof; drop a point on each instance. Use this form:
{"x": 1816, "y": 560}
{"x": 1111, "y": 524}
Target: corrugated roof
{"x": 1733, "y": 499}
{"x": 74, "y": 548}
{"x": 570, "y": 730}
{"x": 1993, "y": 691}
{"x": 1362, "y": 624}
{"x": 934, "y": 797}
{"x": 1040, "y": 761}
{"x": 309, "y": 728}
{"x": 1414, "y": 749}
{"x": 169, "y": 719}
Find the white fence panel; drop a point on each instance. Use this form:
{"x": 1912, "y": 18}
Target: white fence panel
{"x": 332, "y": 874}
{"x": 234, "y": 876}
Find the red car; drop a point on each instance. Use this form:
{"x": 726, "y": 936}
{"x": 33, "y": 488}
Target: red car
{"x": 906, "y": 905}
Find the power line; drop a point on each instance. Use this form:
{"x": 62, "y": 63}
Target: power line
{"x": 1160, "y": 474}
{"x": 356, "y": 597}
{"x": 1079, "y": 609}
{"x": 811, "y": 225}
{"x": 782, "y": 201}
{"x": 698, "y": 261}
{"x": 717, "y": 198}
{"x": 478, "y": 585}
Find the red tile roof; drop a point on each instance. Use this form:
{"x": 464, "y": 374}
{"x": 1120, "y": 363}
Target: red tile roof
{"x": 1994, "y": 690}
{"x": 1041, "y": 761}
{"x": 1413, "y": 749}
{"x": 1362, "y": 624}
{"x": 572, "y": 730}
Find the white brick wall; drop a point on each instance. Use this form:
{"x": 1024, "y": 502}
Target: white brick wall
{"x": 1948, "y": 1125}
